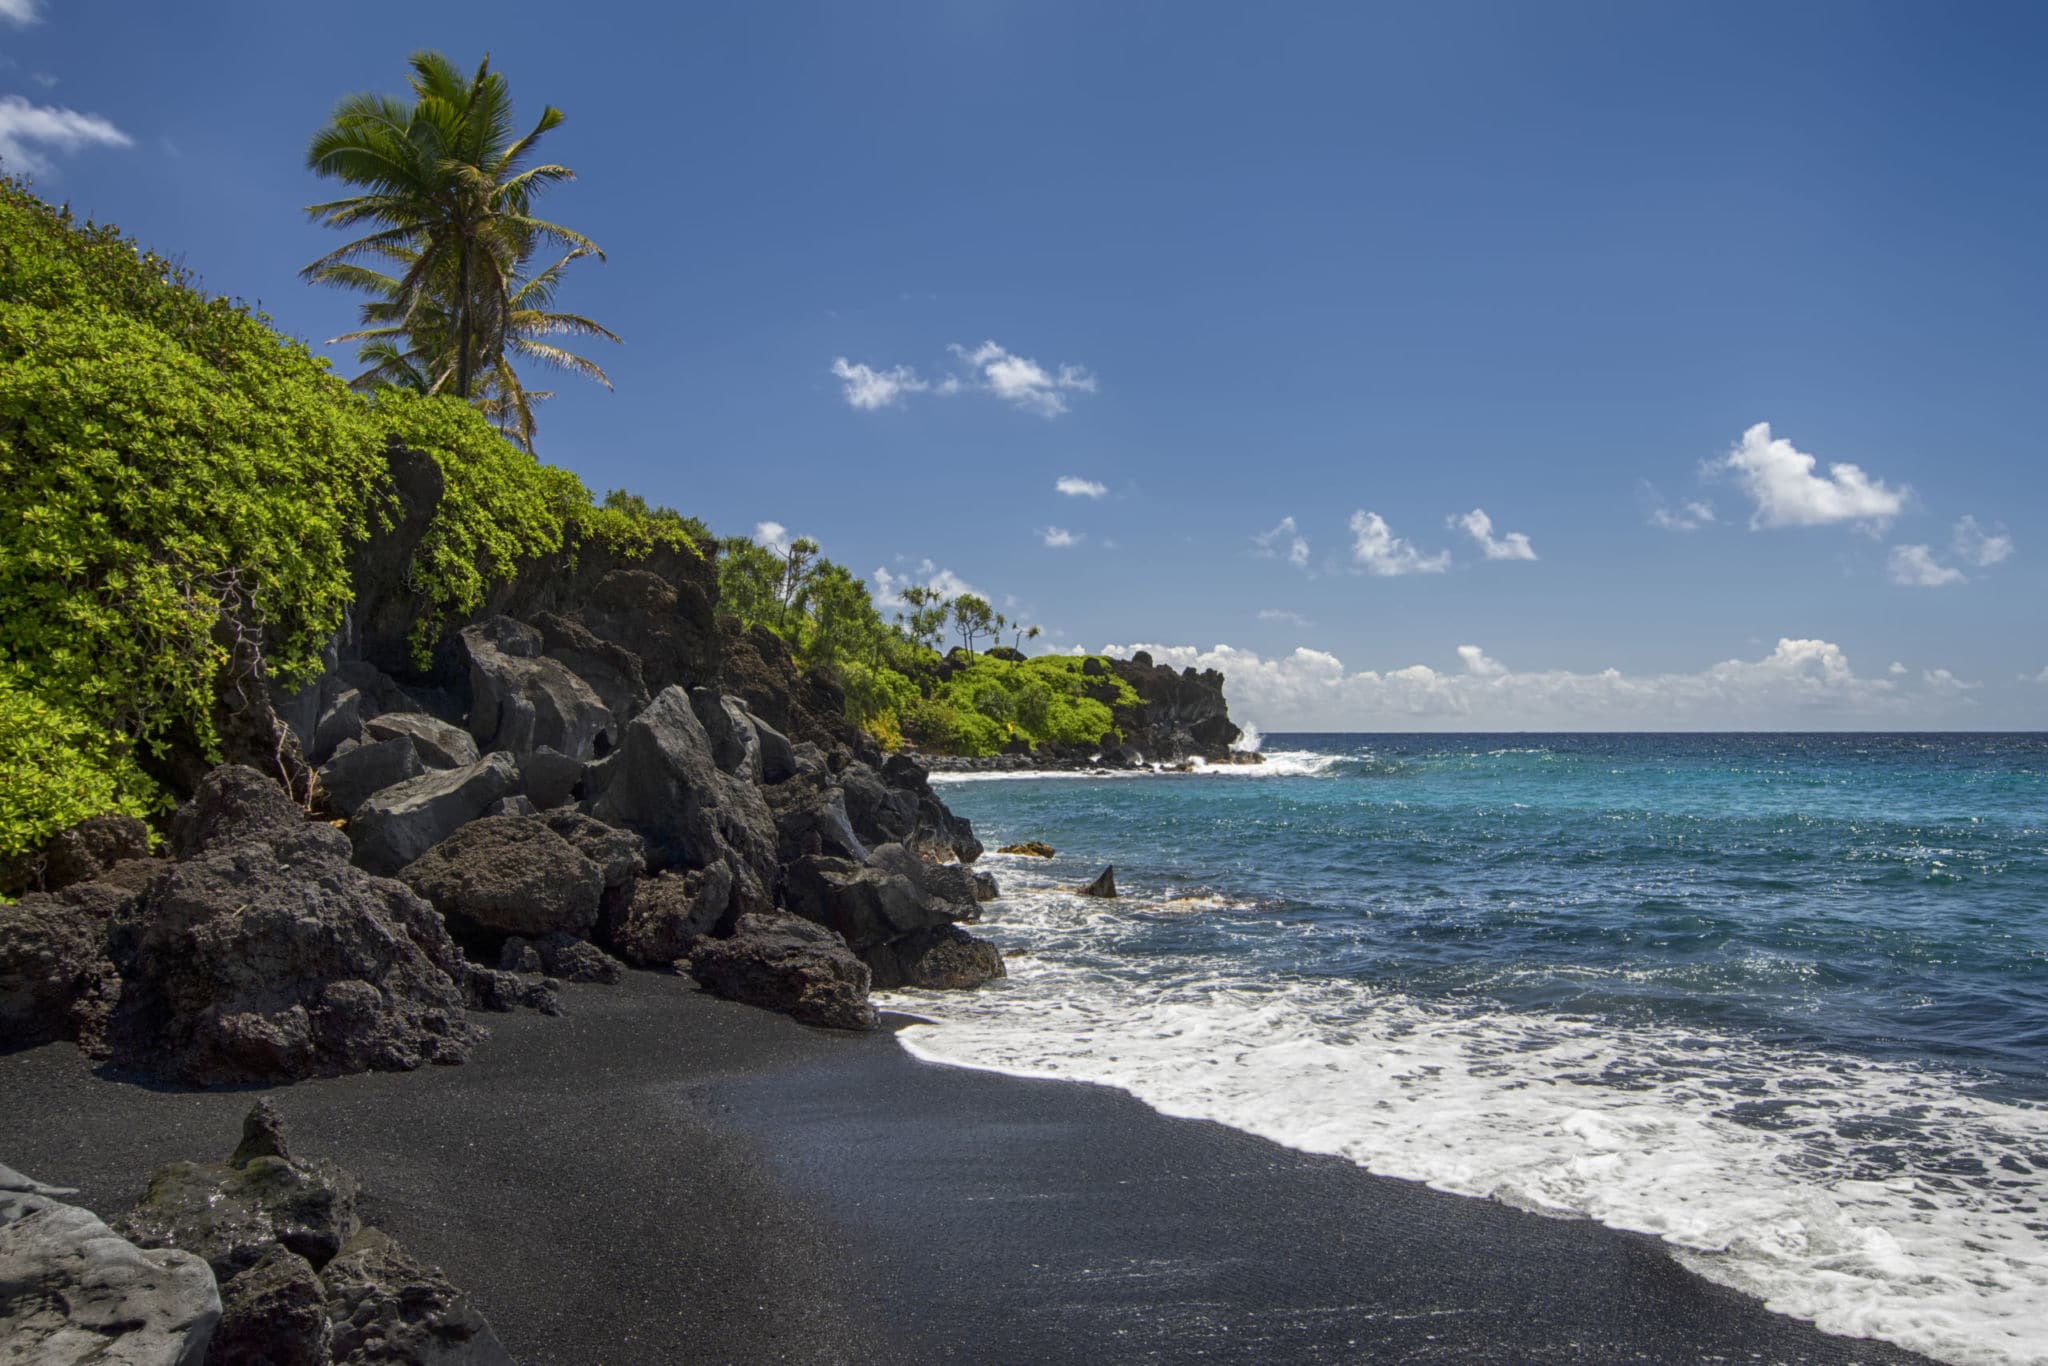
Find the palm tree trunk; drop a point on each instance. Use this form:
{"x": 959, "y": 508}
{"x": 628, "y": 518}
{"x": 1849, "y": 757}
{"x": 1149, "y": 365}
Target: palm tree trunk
{"x": 464, "y": 325}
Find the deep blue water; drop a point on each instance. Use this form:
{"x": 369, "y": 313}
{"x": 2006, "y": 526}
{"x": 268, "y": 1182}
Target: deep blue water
{"x": 1781, "y": 1000}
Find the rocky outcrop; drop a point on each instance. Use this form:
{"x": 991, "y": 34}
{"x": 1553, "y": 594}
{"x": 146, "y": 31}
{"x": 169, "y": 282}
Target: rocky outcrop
{"x": 946, "y": 958}
{"x": 397, "y": 825}
{"x": 1104, "y": 884}
{"x": 897, "y": 806}
{"x": 265, "y": 955}
{"x": 384, "y": 1306}
{"x": 665, "y": 785}
{"x": 55, "y": 980}
{"x": 1029, "y": 848}
{"x": 275, "y": 1313}
{"x": 506, "y": 875}
{"x": 438, "y": 743}
{"x": 78, "y": 854}
{"x": 562, "y": 957}
{"x": 865, "y": 904}
{"x": 233, "y": 1214}
{"x": 74, "y": 1291}
{"x": 360, "y": 771}
{"x": 521, "y": 700}
{"x": 1178, "y": 715}
{"x": 668, "y": 914}
{"x": 787, "y": 964}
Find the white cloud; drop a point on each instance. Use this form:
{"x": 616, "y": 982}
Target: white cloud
{"x": 1058, "y": 538}
{"x": 1690, "y": 516}
{"x": 1023, "y": 381}
{"x": 1897, "y": 670}
{"x": 869, "y": 388}
{"x": 889, "y": 587}
{"x": 1281, "y": 614}
{"x": 1914, "y": 566}
{"x": 1479, "y": 663}
{"x": 1375, "y": 549}
{"x": 1980, "y": 547}
{"x": 30, "y": 132}
{"x": 1798, "y": 684}
{"x": 1076, "y": 487}
{"x": 18, "y": 11}
{"x": 1513, "y": 546}
{"x": 775, "y": 536}
{"x": 1283, "y": 540}
{"x": 1780, "y": 479}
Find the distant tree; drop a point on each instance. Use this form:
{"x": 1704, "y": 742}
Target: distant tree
{"x": 973, "y": 618}
{"x": 750, "y": 581}
{"x": 798, "y": 564}
{"x": 925, "y": 623}
{"x": 1023, "y": 634}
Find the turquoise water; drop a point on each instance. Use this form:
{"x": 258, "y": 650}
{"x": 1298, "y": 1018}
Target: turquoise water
{"x": 1781, "y": 1000}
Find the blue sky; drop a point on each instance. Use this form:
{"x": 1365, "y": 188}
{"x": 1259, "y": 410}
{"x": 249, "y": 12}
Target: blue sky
{"x": 886, "y": 274}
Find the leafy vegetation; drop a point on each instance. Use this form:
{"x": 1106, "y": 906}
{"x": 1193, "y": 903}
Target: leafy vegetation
{"x": 450, "y": 265}
{"x": 174, "y": 476}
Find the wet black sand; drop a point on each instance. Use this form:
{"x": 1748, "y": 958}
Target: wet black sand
{"x": 662, "y": 1177}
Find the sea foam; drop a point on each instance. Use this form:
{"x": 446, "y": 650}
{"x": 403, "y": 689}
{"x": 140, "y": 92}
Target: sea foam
{"x": 1873, "y": 1199}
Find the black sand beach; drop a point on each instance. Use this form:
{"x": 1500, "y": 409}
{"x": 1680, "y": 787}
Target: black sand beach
{"x": 661, "y": 1177}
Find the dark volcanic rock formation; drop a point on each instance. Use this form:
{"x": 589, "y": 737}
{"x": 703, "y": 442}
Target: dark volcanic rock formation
{"x": 791, "y": 965}
{"x": 266, "y": 955}
{"x": 509, "y": 875}
{"x": 1104, "y": 884}
{"x": 1179, "y": 715}
{"x": 397, "y": 825}
{"x": 944, "y": 958}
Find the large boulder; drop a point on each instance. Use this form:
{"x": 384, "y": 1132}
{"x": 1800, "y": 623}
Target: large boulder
{"x": 866, "y": 904}
{"x": 274, "y": 1314}
{"x": 669, "y": 913}
{"x": 810, "y": 818}
{"x": 665, "y": 785}
{"x": 397, "y": 825}
{"x": 438, "y": 743}
{"x": 55, "y": 980}
{"x": 947, "y": 958}
{"x": 896, "y": 805}
{"x": 268, "y": 956}
{"x": 359, "y": 772}
{"x": 612, "y": 671}
{"x": 79, "y": 854}
{"x": 509, "y": 875}
{"x": 234, "y": 1214}
{"x": 735, "y": 746}
{"x": 521, "y": 700}
{"x": 73, "y": 1290}
{"x": 790, "y": 965}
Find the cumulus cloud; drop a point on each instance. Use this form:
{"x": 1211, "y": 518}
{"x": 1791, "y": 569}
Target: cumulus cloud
{"x": 1897, "y": 670}
{"x": 1282, "y": 614}
{"x": 775, "y": 536}
{"x": 1074, "y": 486}
{"x": 1023, "y": 381}
{"x": 1978, "y": 546}
{"x": 1058, "y": 538}
{"x": 1375, "y": 549}
{"x": 18, "y": 11}
{"x": 1512, "y": 546}
{"x": 1780, "y": 480}
{"x": 1689, "y": 516}
{"x": 1798, "y": 684}
{"x": 31, "y": 133}
{"x": 1914, "y": 566}
{"x": 889, "y": 587}
{"x": 1283, "y": 540}
{"x": 869, "y": 388}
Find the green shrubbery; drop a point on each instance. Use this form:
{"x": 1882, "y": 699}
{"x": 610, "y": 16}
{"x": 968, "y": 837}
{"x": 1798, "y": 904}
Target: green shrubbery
{"x": 989, "y": 702}
{"x": 168, "y": 462}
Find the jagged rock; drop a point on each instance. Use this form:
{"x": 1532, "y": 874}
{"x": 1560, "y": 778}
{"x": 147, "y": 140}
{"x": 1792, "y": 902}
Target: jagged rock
{"x": 778, "y": 756}
{"x": 72, "y": 1290}
{"x": 232, "y": 1215}
{"x": 669, "y": 913}
{"x": 898, "y": 806}
{"x": 810, "y": 818}
{"x": 1121, "y": 756}
{"x": 509, "y": 875}
{"x": 1179, "y": 715}
{"x": 664, "y": 785}
{"x": 439, "y": 744}
{"x": 273, "y": 1314}
{"x": 232, "y": 805}
{"x": 612, "y": 671}
{"x": 355, "y": 774}
{"x": 735, "y": 747}
{"x": 951, "y": 884}
{"x": 523, "y": 700}
{"x": 561, "y": 956}
{"x": 942, "y": 959}
{"x": 790, "y": 965}
{"x": 618, "y": 854}
{"x": 550, "y": 778}
{"x": 985, "y": 888}
{"x": 501, "y": 992}
{"x": 340, "y": 719}
{"x": 79, "y": 854}
{"x": 1029, "y": 848}
{"x": 397, "y": 825}
{"x": 55, "y": 980}
{"x": 275, "y": 958}
{"x": 1104, "y": 884}
{"x": 263, "y": 1135}
{"x": 514, "y": 805}
{"x": 386, "y": 1307}
{"x": 865, "y": 904}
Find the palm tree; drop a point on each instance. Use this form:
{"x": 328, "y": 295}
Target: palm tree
{"x": 448, "y": 193}
{"x": 420, "y": 353}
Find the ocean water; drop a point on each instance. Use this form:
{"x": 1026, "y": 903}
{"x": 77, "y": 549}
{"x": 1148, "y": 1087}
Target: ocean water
{"x": 1781, "y": 1001}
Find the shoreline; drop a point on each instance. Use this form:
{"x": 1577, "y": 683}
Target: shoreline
{"x": 658, "y": 1168}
